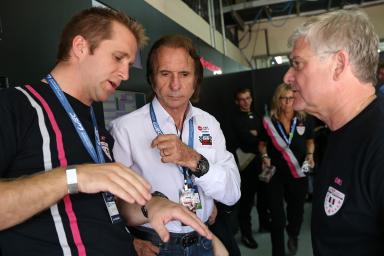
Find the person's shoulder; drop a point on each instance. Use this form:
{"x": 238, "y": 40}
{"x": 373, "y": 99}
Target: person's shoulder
{"x": 130, "y": 118}
{"x": 13, "y": 96}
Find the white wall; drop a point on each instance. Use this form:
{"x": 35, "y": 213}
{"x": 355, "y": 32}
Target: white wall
{"x": 179, "y": 12}
{"x": 278, "y": 36}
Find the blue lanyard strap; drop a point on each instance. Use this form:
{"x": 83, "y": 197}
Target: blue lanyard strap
{"x": 291, "y": 132}
{"x": 97, "y": 157}
{"x": 156, "y": 127}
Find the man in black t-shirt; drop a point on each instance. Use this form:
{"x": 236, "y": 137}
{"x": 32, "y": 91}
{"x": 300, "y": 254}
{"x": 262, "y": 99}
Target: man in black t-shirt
{"x": 333, "y": 71}
{"x": 59, "y": 185}
{"x": 247, "y": 125}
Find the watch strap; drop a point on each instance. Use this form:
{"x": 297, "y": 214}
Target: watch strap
{"x": 144, "y": 209}
{"x": 71, "y": 174}
{"x": 202, "y": 167}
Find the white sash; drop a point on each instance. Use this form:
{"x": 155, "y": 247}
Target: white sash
{"x": 284, "y": 149}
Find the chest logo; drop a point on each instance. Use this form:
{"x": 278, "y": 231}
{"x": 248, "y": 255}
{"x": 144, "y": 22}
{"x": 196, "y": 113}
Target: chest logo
{"x": 205, "y": 139}
{"x": 300, "y": 129}
{"x": 333, "y": 201}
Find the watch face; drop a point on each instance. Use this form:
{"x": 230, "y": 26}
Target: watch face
{"x": 204, "y": 166}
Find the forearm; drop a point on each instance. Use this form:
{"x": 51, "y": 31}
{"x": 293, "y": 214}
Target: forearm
{"x": 310, "y": 146}
{"x": 262, "y": 148}
{"x": 33, "y": 193}
{"x": 131, "y": 213}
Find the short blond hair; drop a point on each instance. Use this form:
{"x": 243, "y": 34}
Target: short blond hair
{"x": 95, "y": 25}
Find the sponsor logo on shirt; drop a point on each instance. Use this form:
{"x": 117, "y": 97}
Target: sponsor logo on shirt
{"x": 205, "y": 137}
{"x": 300, "y": 129}
{"x": 333, "y": 201}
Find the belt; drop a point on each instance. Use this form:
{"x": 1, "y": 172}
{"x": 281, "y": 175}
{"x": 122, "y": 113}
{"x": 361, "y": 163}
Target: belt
{"x": 148, "y": 234}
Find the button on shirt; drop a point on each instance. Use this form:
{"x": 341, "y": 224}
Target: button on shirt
{"x": 134, "y": 133}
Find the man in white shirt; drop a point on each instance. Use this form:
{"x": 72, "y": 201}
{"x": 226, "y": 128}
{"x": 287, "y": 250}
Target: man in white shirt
{"x": 178, "y": 148}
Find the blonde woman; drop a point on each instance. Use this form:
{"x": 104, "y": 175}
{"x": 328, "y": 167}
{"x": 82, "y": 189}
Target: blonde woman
{"x": 286, "y": 143}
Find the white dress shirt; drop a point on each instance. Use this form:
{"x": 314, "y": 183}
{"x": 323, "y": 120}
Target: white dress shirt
{"x": 133, "y": 135}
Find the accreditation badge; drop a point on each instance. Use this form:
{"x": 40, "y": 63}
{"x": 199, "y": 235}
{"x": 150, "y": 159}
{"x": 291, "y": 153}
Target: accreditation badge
{"x": 187, "y": 199}
{"x": 300, "y": 129}
{"x": 190, "y": 198}
{"x": 334, "y": 199}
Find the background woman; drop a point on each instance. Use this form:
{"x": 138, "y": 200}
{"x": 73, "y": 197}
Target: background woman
{"x": 287, "y": 141}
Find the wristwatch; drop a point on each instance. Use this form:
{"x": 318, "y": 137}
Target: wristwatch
{"x": 202, "y": 167}
{"x": 71, "y": 174}
{"x": 144, "y": 209}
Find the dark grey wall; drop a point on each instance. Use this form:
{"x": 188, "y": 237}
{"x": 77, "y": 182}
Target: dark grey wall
{"x": 30, "y": 33}
{"x": 30, "y": 36}
{"x": 31, "y": 30}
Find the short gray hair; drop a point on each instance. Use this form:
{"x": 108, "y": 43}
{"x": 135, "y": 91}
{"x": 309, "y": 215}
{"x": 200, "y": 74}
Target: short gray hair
{"x": 349, "y": 30}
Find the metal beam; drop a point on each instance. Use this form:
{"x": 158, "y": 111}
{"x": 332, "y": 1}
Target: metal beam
{"x": 315, "y": 12}
{"x": 297, "y": 7}
{"x": 252, "y": 4}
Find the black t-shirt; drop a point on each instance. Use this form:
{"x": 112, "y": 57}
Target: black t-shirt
{"x": 32, "y": 139}
{"x": 347, "y": 214}
{"x": 243, "y": 123}
{"x": 302, "y": 132}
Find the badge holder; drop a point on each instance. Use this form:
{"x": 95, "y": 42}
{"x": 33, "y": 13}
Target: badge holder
{"x": 267, "y": 173}
{"x": 187, "y": 199}
{"x": 189, "y": 195}
{"x": 113, "y": 212}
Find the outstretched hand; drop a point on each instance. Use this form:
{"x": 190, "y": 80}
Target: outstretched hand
{"x": 161, "y": 211}
{"x": 115, "y": 178}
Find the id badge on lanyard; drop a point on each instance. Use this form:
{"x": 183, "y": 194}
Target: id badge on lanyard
{"x": 189, "y": 195}
{"x": 97, "y": 155}
{"x": 190, "y": 198}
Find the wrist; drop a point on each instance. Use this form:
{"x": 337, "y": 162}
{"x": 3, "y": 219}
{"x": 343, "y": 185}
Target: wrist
{"x": 202, "y": 167}
{"x": 144, "y": 208}
{"x": 309, "y": 156}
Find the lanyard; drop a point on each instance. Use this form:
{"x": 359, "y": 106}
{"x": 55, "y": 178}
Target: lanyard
{"x": 97, "y": 157}
{"x": 291, "y": 132}
{"x": 187, "y": 177}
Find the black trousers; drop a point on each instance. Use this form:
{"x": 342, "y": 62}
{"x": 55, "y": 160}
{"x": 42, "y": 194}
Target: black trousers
{"x": 251, "y": 186}
{"x": 284, "y": 187}
{"x": 223, "y": 228}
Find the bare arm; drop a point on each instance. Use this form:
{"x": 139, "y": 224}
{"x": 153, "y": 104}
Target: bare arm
{"x": 34, "y": 193}
{"x": 40, "y": 191}
{"x": 264, "y": 153}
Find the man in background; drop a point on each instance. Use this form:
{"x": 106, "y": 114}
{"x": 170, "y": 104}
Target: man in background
{"x": 247, "y": 125}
